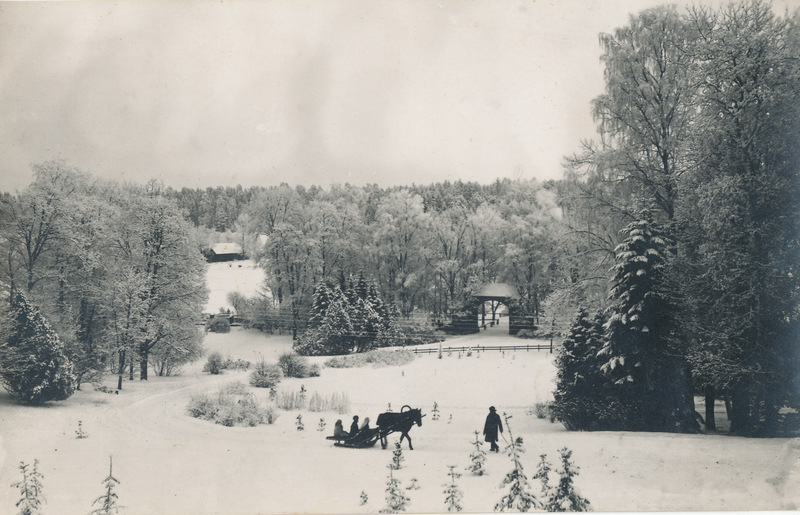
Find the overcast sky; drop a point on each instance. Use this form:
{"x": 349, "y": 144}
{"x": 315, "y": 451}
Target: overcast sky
{"x": 303, "y": 92}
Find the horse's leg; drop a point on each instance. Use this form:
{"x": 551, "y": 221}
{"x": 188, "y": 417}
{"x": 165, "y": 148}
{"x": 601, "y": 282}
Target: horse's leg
{"x": 383, "y": 440}
{"x": 405, "y": 435}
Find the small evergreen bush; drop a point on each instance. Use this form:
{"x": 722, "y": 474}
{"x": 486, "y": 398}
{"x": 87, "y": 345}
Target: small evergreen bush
{"x": 230, "y": 410}
{"x": 265, "y": 375}
{"x": 30, "y": 489}
{"x": 218, "y": 325}
{"x": 294, "y": 365}
{"x": 214, "y": 365}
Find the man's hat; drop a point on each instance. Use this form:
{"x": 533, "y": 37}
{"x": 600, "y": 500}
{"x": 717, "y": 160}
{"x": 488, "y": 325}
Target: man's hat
{"x": 491, "y": 408}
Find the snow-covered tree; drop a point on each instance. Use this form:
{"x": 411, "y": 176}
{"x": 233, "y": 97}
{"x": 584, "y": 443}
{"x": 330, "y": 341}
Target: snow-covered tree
{"x": 477, "y": 466}
{"x": 453, "y": 494}
{"x": 651, "y": 391}
{"x": 543, "y": 475}
{"x": 109, "y": 500}
{"x": 30, "y": 489}
{"x": 33, "y": 365}
{"x": 397, "y": 456}
{"x": 580, "y": 385}
{"x": 396, "y": 501}
{"x": 564, "y": 497}
{"x": 519, "y": 496}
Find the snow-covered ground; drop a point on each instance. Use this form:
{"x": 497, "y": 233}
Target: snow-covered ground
{"x": 170, "y": 463}
{"x": 242, "y": 276}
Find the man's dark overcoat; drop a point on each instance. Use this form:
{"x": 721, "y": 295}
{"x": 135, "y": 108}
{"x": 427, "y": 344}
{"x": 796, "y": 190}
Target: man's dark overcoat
{"x": 490, "y": 428}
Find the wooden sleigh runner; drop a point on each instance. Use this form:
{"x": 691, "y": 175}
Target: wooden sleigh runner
{"x": 387, "y": 423}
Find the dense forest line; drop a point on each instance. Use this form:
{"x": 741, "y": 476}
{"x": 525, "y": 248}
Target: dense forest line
{"x": 673, "y": 236}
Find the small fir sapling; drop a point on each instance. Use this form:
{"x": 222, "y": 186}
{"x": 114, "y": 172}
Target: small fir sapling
{"x": 543, "y": 475}
{"x": 389, "y": 408}
{"x": 108, "y": 501}
{"x": 519, "y": 496}
{"x": 450, "y": 419}
{"x": 30, "y": 489}
{"x": 564, "y": 497}
{"x": 397, "y": 456}
{"x": 435, "y": 411}
{"x": 396, "y": 501}
{"x": 452, "y": 493}
{"x": 299, "y": 423}
{"x": 273, "y": 393}
{"x": 321, "y": 425}
{"x": 80, "y": 433}
{"x": 364, "y": 498}
{"x": 477, "y": 466}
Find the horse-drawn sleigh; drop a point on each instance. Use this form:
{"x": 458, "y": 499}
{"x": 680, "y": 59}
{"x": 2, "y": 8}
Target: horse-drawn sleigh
{"x": 387, "y": 423}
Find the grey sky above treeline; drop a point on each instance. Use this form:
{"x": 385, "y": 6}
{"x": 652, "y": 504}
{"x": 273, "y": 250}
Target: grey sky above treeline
{"x": 306, "y": 92}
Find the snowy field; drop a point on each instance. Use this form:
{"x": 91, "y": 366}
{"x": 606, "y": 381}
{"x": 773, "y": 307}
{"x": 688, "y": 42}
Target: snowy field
{"x": 170, "y": 463}
{"x": 242, "y": 276}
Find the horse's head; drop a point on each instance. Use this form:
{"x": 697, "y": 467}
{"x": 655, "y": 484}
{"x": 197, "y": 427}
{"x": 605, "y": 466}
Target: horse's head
{"x": 416, "y": 416}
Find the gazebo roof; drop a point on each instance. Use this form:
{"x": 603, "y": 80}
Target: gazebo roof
{"x": 498, "y": 291}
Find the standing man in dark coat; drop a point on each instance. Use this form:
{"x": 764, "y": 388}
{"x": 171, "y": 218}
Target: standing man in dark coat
{"x": 493, "y": 423}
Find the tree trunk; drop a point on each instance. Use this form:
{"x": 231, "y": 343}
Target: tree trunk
{"x": 711, "y": 423}
{"x": 143, "y": 366}
{"x": 121, "y": 369}
{"x": 130, "y": 369}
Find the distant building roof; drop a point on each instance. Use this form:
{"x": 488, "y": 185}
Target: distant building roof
{"x": 498, "y": 290}
{"x": 226, "y": 248}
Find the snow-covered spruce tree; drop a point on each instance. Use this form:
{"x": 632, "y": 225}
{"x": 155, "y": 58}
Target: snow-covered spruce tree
{"x": 33, "y": 365}
{"x": 330, "y": 331}
{"x": 477, "y": 466}
{"x": 581, "y": 387}
{"x": 30, "y": 489}
{"x": 396, "y": 501}
{"x": 651, "y": 391}
{"x": 519, "y": 496}
{"x": 564, "y": 497}
{"x": 109, "y": 500}
{"x": 451, "y": 492}
{"x": 397, "y": 456}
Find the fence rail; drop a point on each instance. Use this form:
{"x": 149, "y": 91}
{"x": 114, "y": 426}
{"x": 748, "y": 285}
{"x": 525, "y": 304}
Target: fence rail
{"x": 484, "y": 348}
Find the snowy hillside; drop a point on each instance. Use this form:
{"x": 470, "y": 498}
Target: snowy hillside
{"x": 235, "y": 276}
{"x": 170, "y": 463}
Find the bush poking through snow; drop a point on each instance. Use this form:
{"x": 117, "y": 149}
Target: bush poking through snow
{"x": 108, "y": 501}
{"x": 452, "y": 493}
{"x": 294, "y": 365}
{"x": 30, "y": 489}
{"x": 80, "y": 434}
{"x": 265, "y": 375}
{"x": 218, "y": 325}
{"x": 477, "y": 466}
{"x": 230, "y": 409}
{"x": 543, "y": 410}
{"x": 364, "y": 498}
{"x": 214, "y": 364}
{"x": 338, "y": 402}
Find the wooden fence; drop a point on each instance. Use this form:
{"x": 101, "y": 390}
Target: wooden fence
{"x": 483, "y": 348}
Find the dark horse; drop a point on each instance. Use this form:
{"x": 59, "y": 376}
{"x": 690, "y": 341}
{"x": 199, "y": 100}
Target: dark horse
{"x": 390, "y": 422}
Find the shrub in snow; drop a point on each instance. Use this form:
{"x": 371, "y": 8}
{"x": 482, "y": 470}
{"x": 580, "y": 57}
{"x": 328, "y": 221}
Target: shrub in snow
{"x": 30, "y": 489}
{"x": 452, "y": 493}
{"x": 33, "y": 365}
{"x": 364, "y": 498}
{"x": 265, "y": 375}
{"x": 293, "y": 365}
{"x": 214, "y": 364}
{"x": 109, "y": 500}
{"x": 396, "y": 501}
{"x": 378, "y": 357}
{"x": 338, "y": 402}
{"x": 435, "y": 412}
{"x": 321, "y": 425}
{"x": 564, "y": 497}
{"x": 519, "y": 496}
{"x": 543, "y": 475}
{"x": 477, "y": 467}
{"x": 230, "y": 410}
{"x": 299, "y": 423}
{"x": 218, "y": 325}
